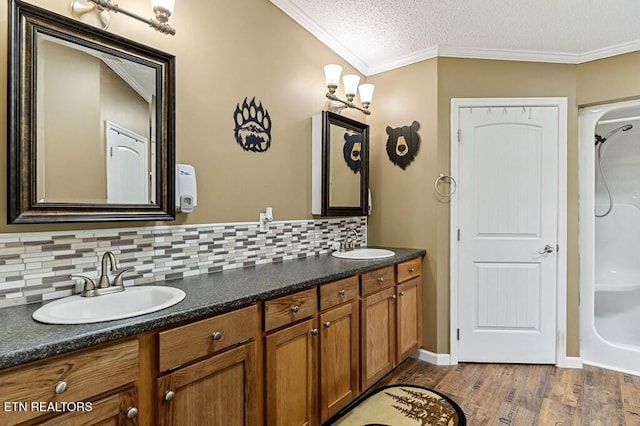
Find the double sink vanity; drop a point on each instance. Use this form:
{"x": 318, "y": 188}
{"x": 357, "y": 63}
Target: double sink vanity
{"x": 279, "y": 344}
{"x": 286, "y": 343}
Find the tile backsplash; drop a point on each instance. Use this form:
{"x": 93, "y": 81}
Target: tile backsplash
{"x": 36, "y": 266}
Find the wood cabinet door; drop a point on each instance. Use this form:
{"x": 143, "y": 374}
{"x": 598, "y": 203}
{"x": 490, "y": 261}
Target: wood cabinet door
{"x": 378, "y": 336}
{"x": 219, "y": 391}
{"x": 409, "y": 318}
{"x": 291, "y": 375}
{"x": 338, "y": 358}
{"x": 113, "y": 410}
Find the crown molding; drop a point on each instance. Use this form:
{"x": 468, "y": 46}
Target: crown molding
{"x": 607, "y": 52}
{"x": 295, "y": 13}
{"x": 401, "y": 61}
{"x": 508, "y": 55}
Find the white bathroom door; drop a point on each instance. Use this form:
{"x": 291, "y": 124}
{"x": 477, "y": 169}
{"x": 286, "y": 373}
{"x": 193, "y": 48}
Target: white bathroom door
{"x": 127, "y": 166}
{"x": 508, "y": 234}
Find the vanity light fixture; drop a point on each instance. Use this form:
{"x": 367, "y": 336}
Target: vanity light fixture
{"x": 332, "y": 77}
{"x": 161, "y": 8}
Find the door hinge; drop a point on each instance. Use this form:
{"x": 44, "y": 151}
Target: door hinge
{"x": 458, "y": 234}
{"x": 111, "y": 152}
{"x": 457, "y": 334}
{"x": 459, "y": 135}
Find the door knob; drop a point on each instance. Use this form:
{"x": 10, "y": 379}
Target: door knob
{"x": 547, "y": 249}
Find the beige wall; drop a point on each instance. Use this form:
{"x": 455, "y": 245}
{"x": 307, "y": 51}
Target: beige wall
{"x": 609, "y": 80}
{"x": 226, "y": 51}
{"x": 72, "y": 110}
{"x": 408, "y": 211}
{"x": 404, "y": 209}
{"x": 70, "y": 113}
{"x": 467, "y": 78}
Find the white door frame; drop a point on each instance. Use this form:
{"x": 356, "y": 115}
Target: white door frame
{"x": 561, "y": 273}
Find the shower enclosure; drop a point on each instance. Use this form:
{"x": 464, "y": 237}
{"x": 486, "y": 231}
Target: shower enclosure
{"x": 610, "y": 236}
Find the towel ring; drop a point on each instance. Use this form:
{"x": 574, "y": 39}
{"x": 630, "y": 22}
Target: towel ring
{"x": 444, "y": 178}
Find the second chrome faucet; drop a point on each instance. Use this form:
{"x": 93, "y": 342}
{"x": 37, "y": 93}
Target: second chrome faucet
{"x": 104, "y": 285}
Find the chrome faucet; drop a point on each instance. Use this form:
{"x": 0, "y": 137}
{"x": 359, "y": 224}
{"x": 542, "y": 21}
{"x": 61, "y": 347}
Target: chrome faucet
{"x": 349, "y": 240}
{"x": 104, "y": 286}
{"x": 103, "y": 282}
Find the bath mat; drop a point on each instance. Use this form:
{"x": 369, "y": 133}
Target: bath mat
{"x": 401, "y": 405}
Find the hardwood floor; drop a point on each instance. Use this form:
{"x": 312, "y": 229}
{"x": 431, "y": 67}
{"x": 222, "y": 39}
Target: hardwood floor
{"x": 521, "y": 395}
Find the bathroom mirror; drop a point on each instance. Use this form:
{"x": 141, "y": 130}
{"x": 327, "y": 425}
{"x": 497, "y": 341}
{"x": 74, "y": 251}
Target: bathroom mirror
{"x": 340, "y": 175}
{"x": 91, "y": 123}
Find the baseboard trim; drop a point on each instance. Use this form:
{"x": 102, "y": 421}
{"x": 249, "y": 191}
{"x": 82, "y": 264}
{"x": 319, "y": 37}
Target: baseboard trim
{"x": 569, "y": 362}
{"x": 445, "y": 359}
{"x": 432, "y": 358}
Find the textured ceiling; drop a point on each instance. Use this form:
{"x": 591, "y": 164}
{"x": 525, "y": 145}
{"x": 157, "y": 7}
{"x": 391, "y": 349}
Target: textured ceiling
{"x": 376, "y": 36}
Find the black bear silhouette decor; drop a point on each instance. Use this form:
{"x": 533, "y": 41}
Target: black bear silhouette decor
{"x": 351, "y": 150}
{"x": 253, "y": 126}
{"x": 403, "y": 144}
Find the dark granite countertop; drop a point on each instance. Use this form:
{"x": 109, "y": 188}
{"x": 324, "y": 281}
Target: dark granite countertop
{"x": 23, "y": 340}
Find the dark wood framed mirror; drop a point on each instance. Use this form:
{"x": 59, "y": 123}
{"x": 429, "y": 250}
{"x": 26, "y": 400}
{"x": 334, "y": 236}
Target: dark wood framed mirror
{"x": 340, "y": 176}
{"x": 91, "y": 133}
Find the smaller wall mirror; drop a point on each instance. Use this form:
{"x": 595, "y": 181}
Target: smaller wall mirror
{"x": 340, "y": 166}
{"x": 91, "y": 133}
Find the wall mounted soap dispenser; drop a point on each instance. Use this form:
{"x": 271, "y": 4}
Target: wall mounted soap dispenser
{"x": 186, "y": 188}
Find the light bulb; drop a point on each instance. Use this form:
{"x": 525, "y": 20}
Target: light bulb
{"x": 350, "y": 85}
{"x": 366, "y": 94}
{"x": 332, "y": 76}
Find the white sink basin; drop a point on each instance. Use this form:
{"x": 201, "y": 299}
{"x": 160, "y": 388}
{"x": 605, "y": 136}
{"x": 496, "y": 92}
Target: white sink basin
{"x": 363, "y": 254}
{"x": 131, "y": 302}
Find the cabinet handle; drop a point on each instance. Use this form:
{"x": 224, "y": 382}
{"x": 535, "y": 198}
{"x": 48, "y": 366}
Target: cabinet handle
{"x": 132, "y": 413}
{"x": 61, "y": 387}
{"x": 393, "y": 296}
{"x": 342, "y": 292}
{"x": 216, "y": 335}
{"x": 314, "y": 331}
{"x": 402, "y": 293}
{"x": 411, "y": 270}
{"x": 168, "y": 395}
{"x": 380, "y": 279}
{"x": 327, "y": 324}
{"x": 295, "y": 309}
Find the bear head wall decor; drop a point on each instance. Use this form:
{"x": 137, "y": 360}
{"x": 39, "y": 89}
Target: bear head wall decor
{"x": 352, "y": 149}
{"x": 403, "y": 144}
{"x": 253, "y": 126}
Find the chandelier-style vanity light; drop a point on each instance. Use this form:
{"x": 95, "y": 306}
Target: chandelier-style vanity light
{"x": 332, "y": 76}
{"x": 162, "y": 9}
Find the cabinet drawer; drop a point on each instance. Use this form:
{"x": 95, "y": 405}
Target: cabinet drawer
{"x": 290, "y": 308}
{"x": 192, "y": 341}
{"x": 86, "y": 374}
{"x": 409, "y": 269}
{"x": 337, "y": 292}
{"x": 377, "y": 280}
{"x": 110, "y": 410}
